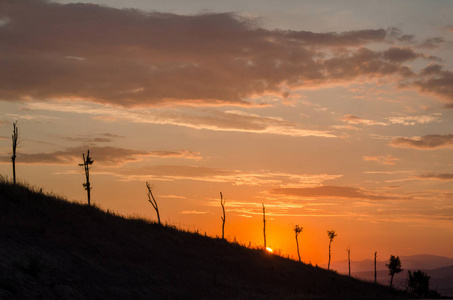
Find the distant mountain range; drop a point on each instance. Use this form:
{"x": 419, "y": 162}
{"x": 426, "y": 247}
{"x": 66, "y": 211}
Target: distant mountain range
{"x": 438, "y": 267}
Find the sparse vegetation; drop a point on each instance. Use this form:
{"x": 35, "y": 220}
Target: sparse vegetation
{"x": 297, "y": 230}
{"x": 331, "y": 234}
{"x": 418, "y": 283}
{"x": 87, "y": 162}
{"x": 375, "y": 271}
{"x": 153, "y": 201}
{"x": 394, "y": 267}
{"x": 349, "y": 261}
{"x": 14, "y": 137}
{"x": 222, "y": 203}
{"x": 264, "y": 225}
{"x": 51, "y": 248}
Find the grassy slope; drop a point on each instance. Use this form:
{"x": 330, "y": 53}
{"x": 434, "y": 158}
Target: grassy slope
{"x": 54, "y": 249}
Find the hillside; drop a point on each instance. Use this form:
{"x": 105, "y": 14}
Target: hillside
{"x": 51, "y": 248}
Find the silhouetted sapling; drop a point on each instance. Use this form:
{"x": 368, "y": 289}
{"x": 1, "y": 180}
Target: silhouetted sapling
{"x": 349, "y": 260}
{"x": 331, "y": 234}
{"x": 222, "y": 203}
{"x": 394, "y": 266}
{"x": 264, "y": 225}
{"x": 87, "y": 162}
{"x": 297, "y": 230}
{"x": 14, "y": 137}
{"x": 375, "y": 271}
{"x": 153, "y": 201}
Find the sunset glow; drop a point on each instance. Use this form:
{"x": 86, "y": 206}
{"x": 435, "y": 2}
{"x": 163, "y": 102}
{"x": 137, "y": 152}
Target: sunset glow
{"x": 335, "y": 115}
{"x": 268, "y": 249}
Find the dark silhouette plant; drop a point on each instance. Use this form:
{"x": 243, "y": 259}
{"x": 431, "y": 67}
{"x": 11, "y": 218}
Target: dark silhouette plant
{"x": 264, "y": 225}
{"x": 222, "y": 203}
{"x": 153, "y": 201}
{"x": 297, "y": 230}
{"x": 87, "y": 162}
{"x": 14, "y": 137}
{"x": 394, "y": 267}
{"x": 331, "y": 234}
{"x": 349, "y": 260}
{"x": 375, "y": 271}
{"x": 418, "y": 282}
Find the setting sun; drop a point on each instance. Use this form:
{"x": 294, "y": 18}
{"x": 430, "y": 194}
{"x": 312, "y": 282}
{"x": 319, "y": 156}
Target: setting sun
{"x": 269, "y": 249}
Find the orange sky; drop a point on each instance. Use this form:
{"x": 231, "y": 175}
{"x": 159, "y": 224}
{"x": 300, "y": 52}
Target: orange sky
{"x": 334, "y": 115}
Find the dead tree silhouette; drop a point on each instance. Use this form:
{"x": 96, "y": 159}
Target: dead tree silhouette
{"x": 153, "y": 201}
{"x": 297, "y": 230}
{"x": 394, "y": 266}
{"x": 87, "y": 162}
{"x": 222, "y": 203}
{"x": 331, "y": 234}
{"x": 349, "y": 260}
{"x": 375, "y": 272}
{"x": 264, "y": 225}
{"x": 14, "y": 137}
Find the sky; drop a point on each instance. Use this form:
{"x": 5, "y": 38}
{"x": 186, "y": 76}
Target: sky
{"x": 336, "y": 115}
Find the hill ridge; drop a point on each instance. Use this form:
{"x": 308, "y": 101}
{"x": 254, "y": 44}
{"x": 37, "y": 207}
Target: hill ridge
{"x": 55, "y": 249}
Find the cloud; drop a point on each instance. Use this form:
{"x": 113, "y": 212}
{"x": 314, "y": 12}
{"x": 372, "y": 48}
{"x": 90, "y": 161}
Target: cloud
{"x": 435, "y": 80}
{"x": 400, "y": 54}
{"x": 193, "y": 212}
{"x": 414, "y": 120}
{"x": 133, "y": 58}
{"x": 107, "y": 156}
{"x": 210, "y": 174}
{"x": 207, "y": 119}
{"x": 382, "y": 159}
{"x": 432, "y": 43}
{"x": 427, "y": 142}
{"x": 445, "y": 176}
{"x": 331, "y": 192}
{"x": 86, "y": 139}
{"x": 351, "y": 119}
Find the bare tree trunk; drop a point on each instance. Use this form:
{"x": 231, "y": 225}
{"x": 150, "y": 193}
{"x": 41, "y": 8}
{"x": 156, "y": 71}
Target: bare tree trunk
{"x": 349, "y": 261}
{"x": 13, "y": 157}
{"x": 264, "y": 225}
{"x": 375, "y": 273}
{"x": 328, "y": 265}
{"x": 391, "y": 281}
{"x": 153, "y": 201}
{"x": 87, "y": 162}
{"x": 222, "y": 202}
{"x": 297, "y": 242}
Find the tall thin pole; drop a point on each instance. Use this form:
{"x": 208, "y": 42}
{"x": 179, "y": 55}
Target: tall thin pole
{"x": 264, "y": 225}
{"x": 375, "y": 273}
{"x": 349, "y": 260}
{"x": 222, "y": 202}
{"x": 13, "y": 157}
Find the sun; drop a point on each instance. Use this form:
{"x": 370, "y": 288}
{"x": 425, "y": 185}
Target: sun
{"x": 269, "y": 249}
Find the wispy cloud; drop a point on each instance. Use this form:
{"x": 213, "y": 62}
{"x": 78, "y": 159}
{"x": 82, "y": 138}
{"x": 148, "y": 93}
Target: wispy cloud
{"x": 107, "y": 156}
{"x": 136, "y": 58}
{"x": 444, "y": 176}
{"x": 333, "y": 192}
{"x": 210, "y": 174}
{"x": 426, "y": 142}
{"x": 351, "y": 119}
{"x": 414, "y": 120}
{"x": 382, "y": 159}
{"x": 193, "y": 212}
{"x": 207, "y": 119}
